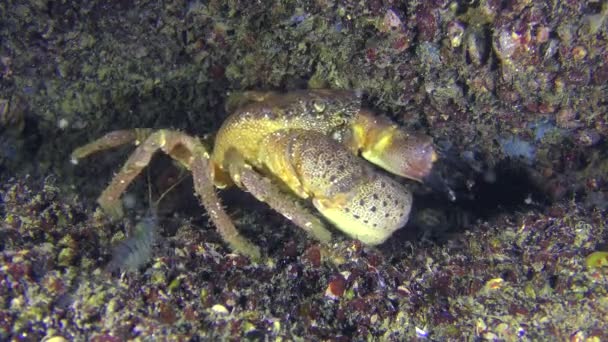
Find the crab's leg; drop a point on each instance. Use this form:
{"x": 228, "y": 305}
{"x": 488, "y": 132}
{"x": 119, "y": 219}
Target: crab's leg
{"x": 204, "y": 188}
{"x": 266, "y": 191}
{"x": 191, "y": 153}
{"x": 111, "y": 140}
{"x": 109, "y": 200}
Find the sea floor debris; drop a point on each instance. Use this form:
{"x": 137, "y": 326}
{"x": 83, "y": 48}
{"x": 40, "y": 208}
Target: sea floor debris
{"x": 521, "y": 275}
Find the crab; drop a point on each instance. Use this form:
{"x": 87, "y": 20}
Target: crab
{"x": 285, "y": 149}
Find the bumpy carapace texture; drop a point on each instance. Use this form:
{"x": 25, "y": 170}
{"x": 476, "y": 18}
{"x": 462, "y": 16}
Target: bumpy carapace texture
{"x": 360, "y": 201}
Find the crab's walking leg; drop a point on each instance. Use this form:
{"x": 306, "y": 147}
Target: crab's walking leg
{"x": 109, "y": 200}
{"x": 189, "y": 152}
{"x": 204, "y": 187}
{"x": 111, "y": 140}
{"x": 266, "y": 191}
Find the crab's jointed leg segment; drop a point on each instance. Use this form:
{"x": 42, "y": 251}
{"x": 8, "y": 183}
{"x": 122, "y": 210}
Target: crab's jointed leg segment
{"x": 204, "y": 188}
{"x": 266, "y": 191}
{"x": 111, "y": 140}
{"x": 187, "y": 150}
{"x": 166, "y": 140}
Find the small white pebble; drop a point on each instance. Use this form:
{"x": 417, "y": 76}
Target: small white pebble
{"x": 219, "y": 309}
{"x": 55, "y": 339}
{"x": 391, "y": 21}
{"x": 63, "y": 123}
{"x": 421, "y": 333}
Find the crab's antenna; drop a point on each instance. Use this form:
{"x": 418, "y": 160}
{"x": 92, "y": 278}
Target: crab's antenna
{"x": 150, "y": 190}
{"x": 182, "y": 176}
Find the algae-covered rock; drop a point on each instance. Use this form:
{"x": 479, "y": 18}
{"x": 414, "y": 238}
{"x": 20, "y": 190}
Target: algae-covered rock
{"x": 513, "y": 93}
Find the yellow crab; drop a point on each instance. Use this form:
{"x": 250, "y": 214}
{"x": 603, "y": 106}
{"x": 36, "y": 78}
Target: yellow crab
{"x": 303, "y": 143}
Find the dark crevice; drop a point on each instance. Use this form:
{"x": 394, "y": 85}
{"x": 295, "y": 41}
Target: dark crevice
{"x": 462, "y": 195}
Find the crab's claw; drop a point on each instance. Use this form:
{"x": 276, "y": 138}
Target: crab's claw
{"x": 383, "y": 143}
{"x": 408, "y": 155}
